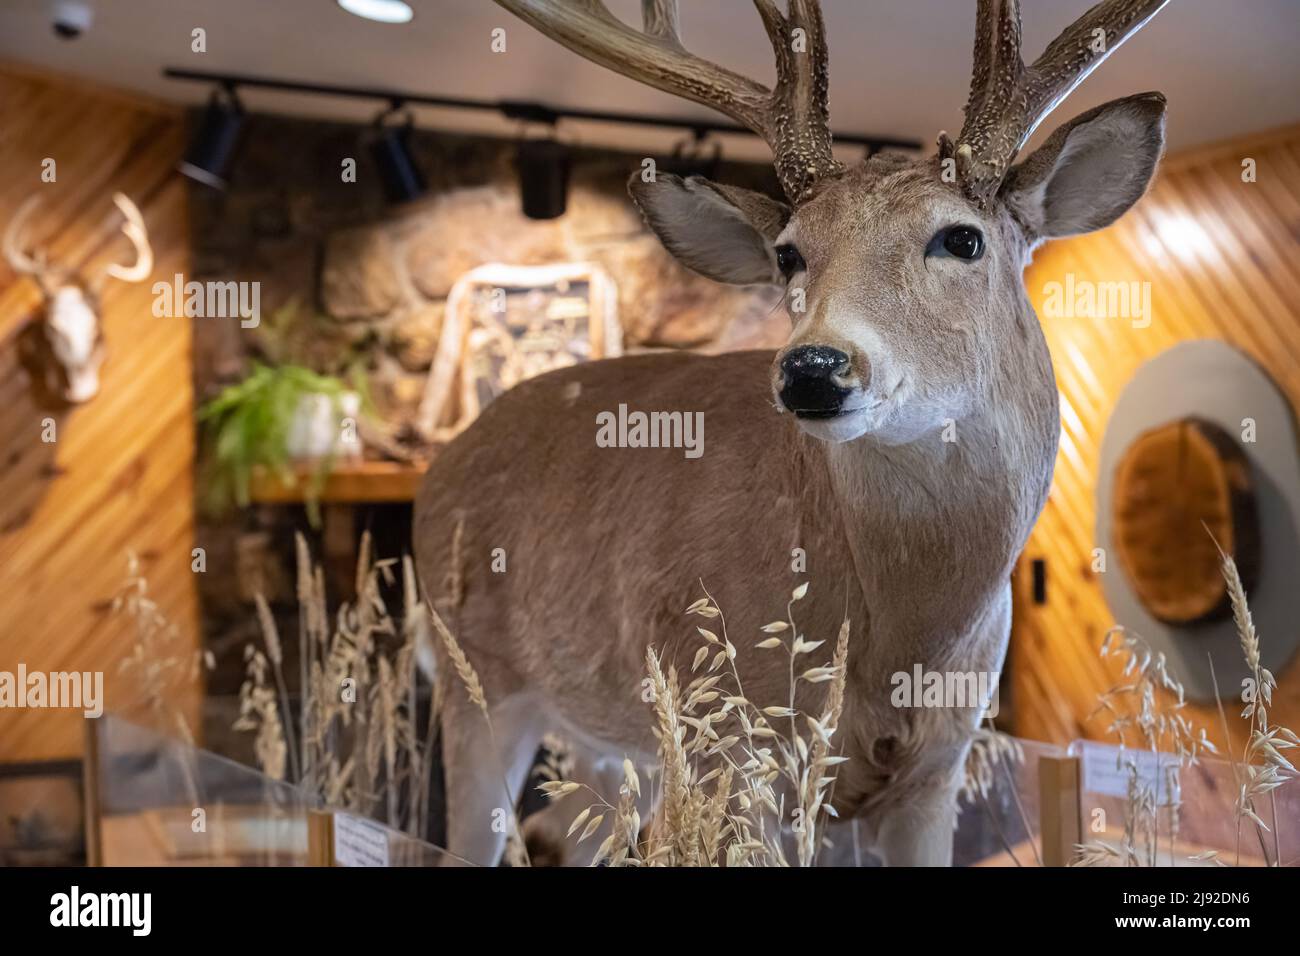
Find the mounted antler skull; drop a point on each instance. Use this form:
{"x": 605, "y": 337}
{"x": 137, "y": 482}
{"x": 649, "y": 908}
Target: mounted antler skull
{"x": 72, "y": 327}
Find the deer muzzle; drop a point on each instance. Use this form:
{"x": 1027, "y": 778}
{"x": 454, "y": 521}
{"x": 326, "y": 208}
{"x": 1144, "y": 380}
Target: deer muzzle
{"x": 816, "y": 381}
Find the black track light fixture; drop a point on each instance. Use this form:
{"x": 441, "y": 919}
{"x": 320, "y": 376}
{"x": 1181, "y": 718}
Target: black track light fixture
{"x": 213, "y": 146}
{"x": 543, "y": 177}
{"x": 391, "y": 151}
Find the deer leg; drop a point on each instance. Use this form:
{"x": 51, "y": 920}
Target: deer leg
{"x": 918, "y": 834}
{"x": 485, "y": 770}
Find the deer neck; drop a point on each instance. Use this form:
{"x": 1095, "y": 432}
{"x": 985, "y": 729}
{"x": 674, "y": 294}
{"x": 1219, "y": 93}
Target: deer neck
{"x": 934, "y": 526}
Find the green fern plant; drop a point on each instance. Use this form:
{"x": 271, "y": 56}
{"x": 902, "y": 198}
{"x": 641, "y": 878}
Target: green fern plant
{"x": 246, "y": 427}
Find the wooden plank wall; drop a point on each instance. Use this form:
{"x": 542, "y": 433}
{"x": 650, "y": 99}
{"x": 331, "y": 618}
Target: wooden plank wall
{"x": 1223, "y": 260}
{"x": 119, "y": 477}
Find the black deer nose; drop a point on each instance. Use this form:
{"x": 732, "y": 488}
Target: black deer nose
{"x": 809, "y": 388}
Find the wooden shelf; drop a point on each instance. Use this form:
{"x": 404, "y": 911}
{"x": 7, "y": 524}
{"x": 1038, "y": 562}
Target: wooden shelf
{"x": 349, "y": 483}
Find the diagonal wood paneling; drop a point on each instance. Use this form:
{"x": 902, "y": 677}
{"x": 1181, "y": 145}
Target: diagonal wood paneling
{"x": 1223, "y": 260}
{"x": 120, "y": 476}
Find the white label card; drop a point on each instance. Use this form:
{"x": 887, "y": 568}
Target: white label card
{"x": 1106, "y": 771}
{"x": 359, "y": 842}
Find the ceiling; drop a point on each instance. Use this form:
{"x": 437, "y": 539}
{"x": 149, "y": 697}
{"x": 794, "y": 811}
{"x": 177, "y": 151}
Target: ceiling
{"x": 898, "y": 67}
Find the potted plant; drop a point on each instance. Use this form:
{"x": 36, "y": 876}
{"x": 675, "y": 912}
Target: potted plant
{"x": 277, "y": 417}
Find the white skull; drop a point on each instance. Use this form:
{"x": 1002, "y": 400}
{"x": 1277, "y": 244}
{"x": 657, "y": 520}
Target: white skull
{"x": 71, "y": 323}
{"x": 72, "y": 328}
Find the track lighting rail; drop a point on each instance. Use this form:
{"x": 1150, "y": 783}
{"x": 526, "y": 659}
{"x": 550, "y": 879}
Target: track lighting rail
{"x": 522, "y": 110}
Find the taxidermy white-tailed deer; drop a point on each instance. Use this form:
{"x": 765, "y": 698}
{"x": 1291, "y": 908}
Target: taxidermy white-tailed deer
{"x": 72, "y": 328}
{"x": 904, "y": 437}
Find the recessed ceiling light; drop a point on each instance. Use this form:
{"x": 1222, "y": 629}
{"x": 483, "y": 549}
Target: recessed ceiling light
{"x": 385, "y": 11}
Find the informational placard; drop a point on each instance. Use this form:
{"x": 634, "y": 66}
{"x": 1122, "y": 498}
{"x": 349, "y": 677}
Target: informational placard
{"x": 504, "y": 324}
{"x": 1107, "y": 770}
{"x": 359, "y": 842}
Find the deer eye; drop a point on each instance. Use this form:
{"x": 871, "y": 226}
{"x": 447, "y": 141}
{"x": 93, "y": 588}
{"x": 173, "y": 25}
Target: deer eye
{"x": 960, "y": 242}
{"x": 788, "y": 260}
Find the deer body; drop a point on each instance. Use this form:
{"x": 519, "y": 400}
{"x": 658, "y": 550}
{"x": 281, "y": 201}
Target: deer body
{"x": 913, "y": 542}
{"x": 903, "y": 438}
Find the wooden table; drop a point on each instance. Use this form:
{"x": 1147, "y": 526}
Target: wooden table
{"x": 363, "y": 482}
{"x": 348, "y": 486}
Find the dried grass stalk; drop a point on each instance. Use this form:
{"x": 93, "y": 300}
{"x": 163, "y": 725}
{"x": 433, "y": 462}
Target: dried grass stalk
{"x": 358, "y": 748}
{"x": 1142, "y": 717}
{"x": 733, "y": 789}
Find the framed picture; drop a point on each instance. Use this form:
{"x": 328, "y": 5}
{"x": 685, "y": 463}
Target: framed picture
{"x": 505, "y": 324}
{"x": 42, "y": 814}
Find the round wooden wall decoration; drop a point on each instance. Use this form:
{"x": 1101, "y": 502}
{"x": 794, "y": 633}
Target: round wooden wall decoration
{"x": 1192, "y": 397}
{"x": 1175, "y": 486}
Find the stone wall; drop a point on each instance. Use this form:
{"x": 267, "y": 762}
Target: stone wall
{"x": 346, "y": 278}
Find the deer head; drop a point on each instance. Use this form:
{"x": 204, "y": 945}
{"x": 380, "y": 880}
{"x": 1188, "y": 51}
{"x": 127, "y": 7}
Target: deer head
{"x": 904, "y": 275}
{"x": 72, "y": 327}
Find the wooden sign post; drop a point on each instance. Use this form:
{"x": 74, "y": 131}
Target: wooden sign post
{"x": 320, "y": 838}
{"x": 1060, "y": 813}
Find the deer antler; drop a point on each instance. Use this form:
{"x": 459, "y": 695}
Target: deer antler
{"x": 792, "y": 118}
{"x": 133, "y": 228}
{"x": 1008, "y": 100}
{"x": 22, "y": 262}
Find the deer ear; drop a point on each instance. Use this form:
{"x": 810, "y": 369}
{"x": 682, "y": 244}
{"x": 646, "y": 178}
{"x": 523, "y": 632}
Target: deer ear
{"x": 1091, "y": 170}
{"x": 722, "y": 232}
